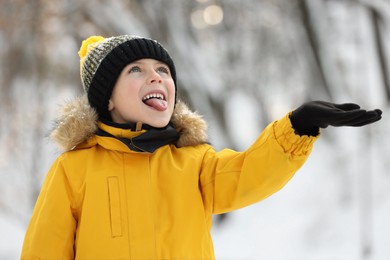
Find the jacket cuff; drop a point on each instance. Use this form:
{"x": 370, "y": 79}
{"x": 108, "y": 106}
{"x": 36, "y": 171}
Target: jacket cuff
{"x": 290, "y": 141}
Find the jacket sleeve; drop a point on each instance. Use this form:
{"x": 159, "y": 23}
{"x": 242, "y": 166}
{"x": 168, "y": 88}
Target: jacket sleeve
{"x": 231, "y": 180}
{"x": 51, "y": 231}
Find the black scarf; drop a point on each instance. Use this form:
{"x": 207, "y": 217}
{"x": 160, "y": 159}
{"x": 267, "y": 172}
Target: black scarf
{"x": 149, "y": 141}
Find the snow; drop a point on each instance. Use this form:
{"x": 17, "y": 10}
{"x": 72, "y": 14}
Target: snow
{"x": 11, "y": 233}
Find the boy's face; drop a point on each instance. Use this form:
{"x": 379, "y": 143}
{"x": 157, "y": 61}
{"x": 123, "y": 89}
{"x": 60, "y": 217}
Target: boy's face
{"x": 144, "y": 92}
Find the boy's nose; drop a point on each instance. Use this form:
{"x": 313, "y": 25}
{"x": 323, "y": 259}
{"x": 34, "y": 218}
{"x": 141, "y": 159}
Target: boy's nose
{"x": 154, "y": 77}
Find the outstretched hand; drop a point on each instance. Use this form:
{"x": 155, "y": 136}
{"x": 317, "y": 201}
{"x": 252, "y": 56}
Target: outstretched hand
{"x": 308, "y": 118}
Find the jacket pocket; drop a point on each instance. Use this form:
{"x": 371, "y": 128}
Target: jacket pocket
{"x": 115, "y": 206}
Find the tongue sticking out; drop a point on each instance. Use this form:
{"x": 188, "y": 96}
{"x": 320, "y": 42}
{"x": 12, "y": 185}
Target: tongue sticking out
{"x": 157, "y": 104}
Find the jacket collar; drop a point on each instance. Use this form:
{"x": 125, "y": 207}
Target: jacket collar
{"x": 77, "y": 122}
{"x": 142, "y": 140}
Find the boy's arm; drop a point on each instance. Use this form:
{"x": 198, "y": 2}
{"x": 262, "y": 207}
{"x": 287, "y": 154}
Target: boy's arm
{"x": 51, "y": 231}
{"x": 231, "y": 180}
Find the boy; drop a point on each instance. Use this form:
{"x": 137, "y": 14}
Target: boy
{"x": 138, "y": 179}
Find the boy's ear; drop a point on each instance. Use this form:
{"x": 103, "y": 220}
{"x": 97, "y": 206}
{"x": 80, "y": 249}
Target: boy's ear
{"x": 110, "y": 105}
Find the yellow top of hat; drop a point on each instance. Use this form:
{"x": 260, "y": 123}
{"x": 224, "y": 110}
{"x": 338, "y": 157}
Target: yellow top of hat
{"x": 88, "y": 44}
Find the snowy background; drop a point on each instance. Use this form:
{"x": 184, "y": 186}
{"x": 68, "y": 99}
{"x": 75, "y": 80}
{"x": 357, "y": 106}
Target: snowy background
{"x": 242, "y": 64}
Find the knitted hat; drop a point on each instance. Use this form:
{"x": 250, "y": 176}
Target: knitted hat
{"x": 103, "y": 59}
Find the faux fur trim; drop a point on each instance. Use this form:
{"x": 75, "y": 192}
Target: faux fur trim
{"x": 190, "y": 125}
{"x": 77, "y": 122}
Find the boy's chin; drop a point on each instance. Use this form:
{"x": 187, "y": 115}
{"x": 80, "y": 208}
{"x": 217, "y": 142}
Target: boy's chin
{"x": 157, "y": 122}
{"x": 158, "y": 125}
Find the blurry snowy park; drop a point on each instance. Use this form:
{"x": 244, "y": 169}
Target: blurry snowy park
{"x": 242, "y": 64}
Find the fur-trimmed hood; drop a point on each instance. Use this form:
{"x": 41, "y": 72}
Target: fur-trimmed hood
{"x": 78, "y": 121}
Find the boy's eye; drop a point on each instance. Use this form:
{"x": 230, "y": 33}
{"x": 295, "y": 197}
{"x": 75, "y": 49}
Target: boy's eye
{"x": 163, "y": 69}
{"x": 134, "y": 69}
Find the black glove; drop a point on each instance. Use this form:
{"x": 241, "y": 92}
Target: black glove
{"x": 308, "y": 118}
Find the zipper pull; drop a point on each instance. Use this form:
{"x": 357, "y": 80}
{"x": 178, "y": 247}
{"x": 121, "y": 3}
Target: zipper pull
{"x": 138, "y": 126}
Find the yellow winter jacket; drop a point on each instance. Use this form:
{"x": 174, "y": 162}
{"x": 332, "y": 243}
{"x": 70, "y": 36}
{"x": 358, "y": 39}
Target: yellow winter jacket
{"x": 102, "y": 200}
